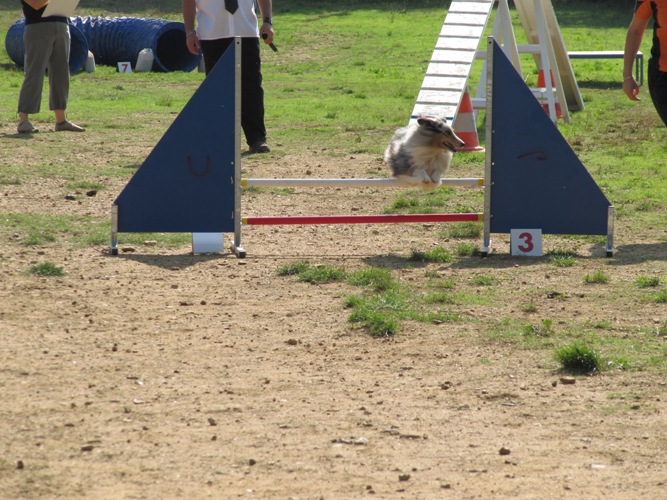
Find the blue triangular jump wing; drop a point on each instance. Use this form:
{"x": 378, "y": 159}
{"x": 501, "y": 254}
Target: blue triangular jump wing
{"x": 186, "y": 182}
{"x": 537, "y": 181}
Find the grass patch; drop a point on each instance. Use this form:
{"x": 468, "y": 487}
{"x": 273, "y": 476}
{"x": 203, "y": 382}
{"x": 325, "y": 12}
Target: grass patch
{"x": 483, "y": 280}
{"x": 661, "y": 329}
{"x": 313, "y": 274}
{"x": 385, "y": 304}
{"x": 599, "y": 277}
{"x": 601, "y": 324}
{"x": 438, "y": 254}
{"x": 545, "y": 329}
{"x": 516, "y": 333}
{"x": 76, "y": 231}
{"x": 380, "y": 314}
{"x": 562, "y": 258}
{"x": 465, "y": 230}
{"x": 379, "y": 280}
{"x": 46, "y": 269}
{"x": 648, "y": 281}
{"x": 440, "y": 298}
{"x": 467, "y": 250}
{"x": 529, "y": 308}
{"x": 293, "y": 268}
{"x": 578, "y": 358}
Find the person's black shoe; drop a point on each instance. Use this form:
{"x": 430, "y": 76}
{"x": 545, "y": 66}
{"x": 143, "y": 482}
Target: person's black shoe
{"x": 260, "y": 147}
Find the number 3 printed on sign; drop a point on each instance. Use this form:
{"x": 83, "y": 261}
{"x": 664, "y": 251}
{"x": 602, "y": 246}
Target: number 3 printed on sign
{"x": 527, "y": 239}
{"x": 527, "y": 242}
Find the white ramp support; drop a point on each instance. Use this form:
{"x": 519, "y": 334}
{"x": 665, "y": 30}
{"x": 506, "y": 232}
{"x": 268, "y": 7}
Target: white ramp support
{"x": 503, "y": 33}
{"x": 547, "y": 47}
{"x": 530, "y": 11}
{"x": 447, "y": 73}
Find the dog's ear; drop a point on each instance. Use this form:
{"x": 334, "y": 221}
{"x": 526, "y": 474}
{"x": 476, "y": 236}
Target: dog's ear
{"x": 431, "y": 122}
{"x": 426, "y": 121}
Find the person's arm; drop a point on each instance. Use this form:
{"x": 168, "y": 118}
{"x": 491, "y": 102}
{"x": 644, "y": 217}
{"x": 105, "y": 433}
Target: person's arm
{"x": 266, "y": 30}
{"x": 633, "y": 40}
{"x": 189, "y": 8}
{"x": 36, "y": 4}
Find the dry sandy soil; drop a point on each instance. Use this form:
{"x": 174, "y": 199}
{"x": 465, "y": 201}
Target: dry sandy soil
{"x": 160, "y": 374}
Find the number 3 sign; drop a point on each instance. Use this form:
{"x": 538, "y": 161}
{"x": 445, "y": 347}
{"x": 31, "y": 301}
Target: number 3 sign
{"x": 527, "y": 242}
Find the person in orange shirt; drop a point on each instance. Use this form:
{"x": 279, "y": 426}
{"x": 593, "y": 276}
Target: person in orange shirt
{"x": 645, "y": 10}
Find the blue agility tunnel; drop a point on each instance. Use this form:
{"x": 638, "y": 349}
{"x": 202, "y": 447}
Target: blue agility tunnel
{"x": 114, "y": 40}
{"x": 78, "y": 52}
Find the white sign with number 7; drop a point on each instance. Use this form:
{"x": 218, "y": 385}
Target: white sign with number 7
{"x": 124, "y": 67}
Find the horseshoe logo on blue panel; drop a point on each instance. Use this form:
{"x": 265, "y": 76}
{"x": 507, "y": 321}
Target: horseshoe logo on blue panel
{"x": 199, "y": 172}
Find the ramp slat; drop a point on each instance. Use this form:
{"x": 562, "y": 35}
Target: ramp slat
{"x": 466, "y": 19}
{"x": 433, "y": 110}
{"x": 462, "y": 31}
{"x": 447, "y": 69}
{"x": 442, "y": 83}
{"x": 456, "y": 43}
{"x": 450, "y": 98}
{"x": 453, "y": 56}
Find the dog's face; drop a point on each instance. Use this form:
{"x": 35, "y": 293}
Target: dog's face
{"x": 442, "y": 135}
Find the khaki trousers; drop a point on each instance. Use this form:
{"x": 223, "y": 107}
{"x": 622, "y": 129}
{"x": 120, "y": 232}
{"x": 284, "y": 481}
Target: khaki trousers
{"x": 46, "y": 48}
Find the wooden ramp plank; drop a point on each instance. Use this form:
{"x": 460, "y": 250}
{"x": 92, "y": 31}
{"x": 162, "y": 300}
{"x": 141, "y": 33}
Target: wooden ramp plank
{"x": 453, "y": 56}
{"x": 447, "y": 112}
{"x": 446, "y": 69}
{"x": 457, "y": 43}
{"x": 465, "y": 19}
{"x": 450, "y": 65}
{"x": 439, "y": 97}
{"x": 436, "y": 82}
{"x": 469, "y": 7}
{"x": 462, "y": 31}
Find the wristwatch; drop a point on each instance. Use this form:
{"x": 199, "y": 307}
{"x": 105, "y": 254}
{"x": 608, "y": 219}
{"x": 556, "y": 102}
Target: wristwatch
{"x": 268, "y": 20}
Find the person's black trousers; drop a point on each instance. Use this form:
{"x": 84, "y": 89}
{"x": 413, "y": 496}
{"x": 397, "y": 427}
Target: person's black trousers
{"x": 252, "y": 93}
{"x": 657, "y": 87}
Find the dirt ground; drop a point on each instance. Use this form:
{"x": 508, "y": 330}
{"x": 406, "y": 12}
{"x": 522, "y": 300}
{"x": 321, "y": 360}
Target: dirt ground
{"x": 159, "y": 374}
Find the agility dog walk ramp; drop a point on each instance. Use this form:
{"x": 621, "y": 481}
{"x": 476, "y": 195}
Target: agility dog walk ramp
{"x": 448, "y": 71}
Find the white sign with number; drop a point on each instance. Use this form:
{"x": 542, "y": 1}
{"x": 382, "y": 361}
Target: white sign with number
{"x": 124, "y": 67}
{"x": 526, "y": 242}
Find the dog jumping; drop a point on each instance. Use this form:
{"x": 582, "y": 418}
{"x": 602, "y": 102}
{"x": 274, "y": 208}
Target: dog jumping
{"x": 421, "y": 153}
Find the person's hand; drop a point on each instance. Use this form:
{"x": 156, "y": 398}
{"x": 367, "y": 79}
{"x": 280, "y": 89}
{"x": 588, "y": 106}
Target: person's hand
{"x": 631, "y": 88}
{"x": 266, "y": 33}
{"x": 192, "y": 41}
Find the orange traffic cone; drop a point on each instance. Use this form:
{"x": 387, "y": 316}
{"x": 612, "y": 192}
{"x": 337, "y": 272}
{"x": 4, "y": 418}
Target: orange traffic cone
{"x": 541, "y": 84}
{"x": 464, "y": 125}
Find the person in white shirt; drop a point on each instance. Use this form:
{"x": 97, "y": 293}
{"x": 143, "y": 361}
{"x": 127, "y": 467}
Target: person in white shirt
{"x": 218, "y": 22}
